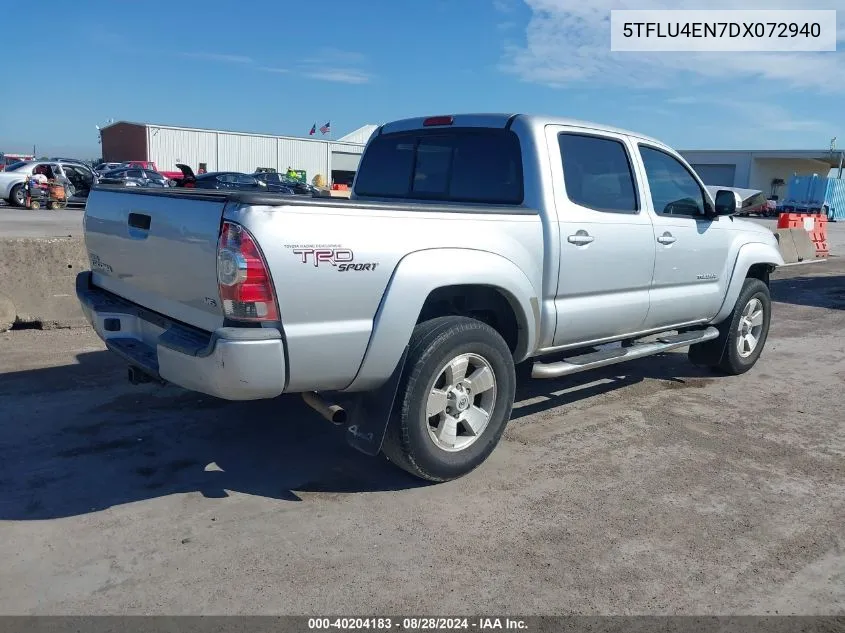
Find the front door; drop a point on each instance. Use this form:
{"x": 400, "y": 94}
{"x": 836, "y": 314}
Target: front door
{"x": 606, "y": 237}
{"x": 691, "y": 267}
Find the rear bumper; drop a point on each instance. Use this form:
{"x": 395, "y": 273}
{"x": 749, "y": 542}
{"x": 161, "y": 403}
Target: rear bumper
{"x": 230, "y": 363}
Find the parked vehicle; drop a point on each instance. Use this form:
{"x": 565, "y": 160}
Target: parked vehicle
{"x": 150, "y": 165}
{"x": 7, "y": 160}
{"x": 754, "y": 201}
{"x": 226, "y": 181}
{"x": 104, "y": 167}
{"x": 132, "y": 177}
{"x": 274, "y": 179}
{"x": 471, "y": 243}
{"x": 77, "y": 161}
{"x": 13, "y": 179}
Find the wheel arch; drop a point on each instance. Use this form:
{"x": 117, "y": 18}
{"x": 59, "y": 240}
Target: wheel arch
{"x": 423, "y": 278}
{"x": 755, "y": 260}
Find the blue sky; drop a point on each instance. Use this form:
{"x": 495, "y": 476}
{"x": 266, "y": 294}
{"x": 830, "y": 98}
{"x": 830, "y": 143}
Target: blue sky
{"x": 283, "y": 66}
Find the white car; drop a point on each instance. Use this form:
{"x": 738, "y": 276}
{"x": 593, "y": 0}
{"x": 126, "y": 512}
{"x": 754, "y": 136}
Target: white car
{"x": 13, "y": 178}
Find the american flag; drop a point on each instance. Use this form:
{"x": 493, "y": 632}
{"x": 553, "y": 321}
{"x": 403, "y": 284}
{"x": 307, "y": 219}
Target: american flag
{"x": 313, "y": 130}
{"x": 325, "y": 129}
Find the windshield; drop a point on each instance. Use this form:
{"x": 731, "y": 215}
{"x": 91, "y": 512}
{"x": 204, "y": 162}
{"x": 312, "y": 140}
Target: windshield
{"x": 15, "y": 166}
{"x": 449, "y": 165}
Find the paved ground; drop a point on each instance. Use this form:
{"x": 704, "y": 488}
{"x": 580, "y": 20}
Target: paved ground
{"x": 651, "y": 487}
{"x": 16, "y": 222}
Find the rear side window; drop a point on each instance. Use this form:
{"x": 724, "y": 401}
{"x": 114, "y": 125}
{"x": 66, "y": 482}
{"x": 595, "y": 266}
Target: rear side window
{"x": 597, "y": 173}
{"x": 456, "y": 165}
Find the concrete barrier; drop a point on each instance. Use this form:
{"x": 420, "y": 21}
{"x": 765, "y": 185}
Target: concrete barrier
{"x": 37, "y": 281}
{"x": 795, "y": 245}
{"x": 804, "y": 245}
{"x": 786, "y": 245}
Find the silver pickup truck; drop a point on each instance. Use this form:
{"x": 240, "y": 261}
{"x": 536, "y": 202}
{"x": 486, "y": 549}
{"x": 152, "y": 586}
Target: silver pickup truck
{"x": 471, "y": 243}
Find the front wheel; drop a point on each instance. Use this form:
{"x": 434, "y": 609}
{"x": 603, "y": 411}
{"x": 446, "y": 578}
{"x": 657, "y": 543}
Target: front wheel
{"x": 742, "y": 335}
{"x": 454, "y": 400}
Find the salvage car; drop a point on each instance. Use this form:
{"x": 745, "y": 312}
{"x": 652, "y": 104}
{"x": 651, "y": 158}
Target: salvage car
{"x": 471, "y": 244}
{"x": 275, "y": 179}
{"x": 13, "y": 178}
{"x": 133, "y": 177}
{"x": 226, "y": 181}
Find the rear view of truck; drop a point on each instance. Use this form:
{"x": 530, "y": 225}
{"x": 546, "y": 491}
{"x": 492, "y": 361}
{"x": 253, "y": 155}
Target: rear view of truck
{"x": 408, "y": 304}
{"x": 181, "y": 294}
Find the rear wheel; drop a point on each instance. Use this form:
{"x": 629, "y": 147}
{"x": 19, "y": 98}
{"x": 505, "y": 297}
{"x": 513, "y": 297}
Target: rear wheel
{"x": 454, "y": 400}
{"x": 34, "y": 205}
{"x": 18, "y": 196}
{"x": 742, "y": 336}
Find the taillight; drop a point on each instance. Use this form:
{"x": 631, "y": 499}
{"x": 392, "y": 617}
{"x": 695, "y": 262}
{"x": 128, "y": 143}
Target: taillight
{"x": 243, "y": 277}
{"x": 438, "y": 120}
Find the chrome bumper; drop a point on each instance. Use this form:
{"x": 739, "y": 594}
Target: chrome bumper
{"x": 230, "y": 363}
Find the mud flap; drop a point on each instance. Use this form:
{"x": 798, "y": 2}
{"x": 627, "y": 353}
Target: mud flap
{"x": 709, "y": 353}
{"x": 370, "y": 413}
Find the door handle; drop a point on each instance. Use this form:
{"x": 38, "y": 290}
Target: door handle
{"x": 666, "y": 238}
{"x": 580, "y": 238}
{"x": 140, "y": 221}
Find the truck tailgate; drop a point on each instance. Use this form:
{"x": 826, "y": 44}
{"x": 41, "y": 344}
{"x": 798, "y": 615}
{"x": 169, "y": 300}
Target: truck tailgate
{"x": 158, "y": 250}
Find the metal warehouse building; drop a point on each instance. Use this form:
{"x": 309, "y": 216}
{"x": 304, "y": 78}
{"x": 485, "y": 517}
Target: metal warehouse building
{"x": 765, "y": 170}
{"x": 218, "y": 150}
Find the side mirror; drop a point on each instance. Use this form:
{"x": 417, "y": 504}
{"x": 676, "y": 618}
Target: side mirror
{"x": 727, "y": 202}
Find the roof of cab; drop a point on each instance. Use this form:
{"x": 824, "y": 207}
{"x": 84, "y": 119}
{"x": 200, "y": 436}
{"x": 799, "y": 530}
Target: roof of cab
{"x": 501, "y": 120}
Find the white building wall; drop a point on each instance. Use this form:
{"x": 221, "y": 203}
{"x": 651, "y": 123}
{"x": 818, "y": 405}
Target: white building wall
{"x": 311, "y": 156}
{"x": 742, "y": 161}
{"x": 168, "y": 146}
{"x": 244, "y": 152}
{"x": 764, "y": 170}
{"x": 223, "y": 151}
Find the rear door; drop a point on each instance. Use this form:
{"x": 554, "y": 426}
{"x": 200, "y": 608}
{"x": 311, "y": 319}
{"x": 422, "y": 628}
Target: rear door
{"x": 606, "y": 237}
{"x": 691, "y": 264}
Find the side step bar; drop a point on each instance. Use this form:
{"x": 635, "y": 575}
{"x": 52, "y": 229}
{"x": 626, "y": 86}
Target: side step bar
{"x": 603, "y": 358}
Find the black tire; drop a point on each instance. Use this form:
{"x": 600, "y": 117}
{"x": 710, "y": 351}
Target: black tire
{"x": 17, "y": 196}
{"x": 435, "y": 343}
{"x": 34, "y": 205}
{"x": 722, "y": 353}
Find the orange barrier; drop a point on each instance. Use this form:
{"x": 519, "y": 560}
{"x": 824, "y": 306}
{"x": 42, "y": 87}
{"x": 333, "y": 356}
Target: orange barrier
{"x": 814, "y": 223}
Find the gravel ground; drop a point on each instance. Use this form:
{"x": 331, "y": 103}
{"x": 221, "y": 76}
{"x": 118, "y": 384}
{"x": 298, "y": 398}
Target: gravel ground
{"x": 647, "y": 488}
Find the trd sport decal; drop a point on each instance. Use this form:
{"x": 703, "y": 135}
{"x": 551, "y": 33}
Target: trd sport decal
{"x": 342, "y": 259}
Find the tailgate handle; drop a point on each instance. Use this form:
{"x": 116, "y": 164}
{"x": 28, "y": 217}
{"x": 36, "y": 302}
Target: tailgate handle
{"x": 140, "y": 221}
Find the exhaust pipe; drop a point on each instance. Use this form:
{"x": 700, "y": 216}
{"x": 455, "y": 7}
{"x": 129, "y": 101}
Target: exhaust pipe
{"x": 331, "y": 412}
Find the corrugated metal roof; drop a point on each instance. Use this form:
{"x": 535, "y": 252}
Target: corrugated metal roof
{"x": 201, "y": 129}
{"x": 361, "y": 135}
